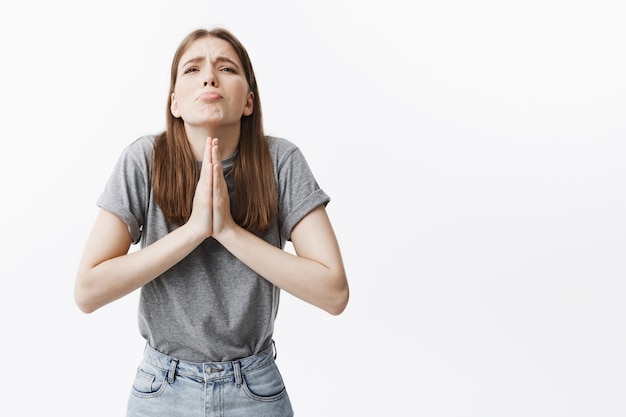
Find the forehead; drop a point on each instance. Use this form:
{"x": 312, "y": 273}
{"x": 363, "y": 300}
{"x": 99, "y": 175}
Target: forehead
{"x": 210, "y": 49}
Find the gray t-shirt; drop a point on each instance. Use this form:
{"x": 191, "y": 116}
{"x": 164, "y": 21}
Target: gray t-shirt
{"x": 209, "y": 306}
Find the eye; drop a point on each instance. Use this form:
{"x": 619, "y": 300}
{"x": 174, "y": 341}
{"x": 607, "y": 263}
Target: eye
{"x": 190, "y": 70}
{"x": 228, "y": 69}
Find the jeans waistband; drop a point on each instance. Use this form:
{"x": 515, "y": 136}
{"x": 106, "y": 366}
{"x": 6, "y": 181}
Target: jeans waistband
{"x": 209, "y": 370}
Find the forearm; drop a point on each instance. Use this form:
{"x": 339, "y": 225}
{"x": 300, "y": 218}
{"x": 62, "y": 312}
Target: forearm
{"x": 100, "y": 283}
{"x": 321, "y": 285}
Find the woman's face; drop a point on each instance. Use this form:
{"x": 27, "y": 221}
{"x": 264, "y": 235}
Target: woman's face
{"x": 211, "y": 88}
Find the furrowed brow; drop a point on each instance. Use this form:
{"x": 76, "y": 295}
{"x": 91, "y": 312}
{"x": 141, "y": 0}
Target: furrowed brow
{"x": 222, "y": 59}
{"x": 194, "y": 60}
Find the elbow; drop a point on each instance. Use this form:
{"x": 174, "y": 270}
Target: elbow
{"x": 339, "y": 301}
{"x": 83, "y": 301}
{"x": 83, "y": 304}
{"x": 85, "y": 308}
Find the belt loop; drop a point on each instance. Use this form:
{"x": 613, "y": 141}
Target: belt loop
{"x": 172, "y": 371}
{"x": 238, "y": 377}
{"x": 275, "y": 350}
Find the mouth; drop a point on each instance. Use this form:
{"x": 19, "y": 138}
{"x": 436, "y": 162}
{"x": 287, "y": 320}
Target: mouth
{"x": 209, "y": 96}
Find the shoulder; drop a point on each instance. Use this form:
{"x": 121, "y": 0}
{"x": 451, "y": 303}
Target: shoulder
{"x": 281, "y": 148}
{"x": 141, "y": 146}
{"x": 136, "y": 156}
{"x": 287, "y": 157}
{"x": 139, "y": 150}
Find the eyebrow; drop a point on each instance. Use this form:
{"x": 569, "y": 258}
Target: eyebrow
{"x": 198, "y": 59}
{"x": 193, "y": 60}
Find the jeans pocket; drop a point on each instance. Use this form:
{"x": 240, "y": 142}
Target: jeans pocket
{"x": 150, "y": 381}
{"x": 265, "y": 384}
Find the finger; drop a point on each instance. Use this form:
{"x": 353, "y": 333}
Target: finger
{"x": 207, "y": 150}
{"x": 206, "y": 158}
{"x": 207, "y": 169}
{"x": 219, "y": 186}
{"x": 215, "y": 152}
{"x": 219, "y": 182}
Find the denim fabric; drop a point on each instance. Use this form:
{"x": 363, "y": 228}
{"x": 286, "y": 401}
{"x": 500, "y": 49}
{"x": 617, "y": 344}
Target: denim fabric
{"x": 251, "y": 386}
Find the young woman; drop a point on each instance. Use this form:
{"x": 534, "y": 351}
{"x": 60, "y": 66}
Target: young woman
{"x": 212, "y": 201}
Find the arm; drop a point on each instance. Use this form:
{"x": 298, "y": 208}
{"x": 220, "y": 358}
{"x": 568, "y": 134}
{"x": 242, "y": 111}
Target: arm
{"x": 315, "y": 274}
{"x": 107, "y": 271}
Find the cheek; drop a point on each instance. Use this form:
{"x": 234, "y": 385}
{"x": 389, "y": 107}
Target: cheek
{"x": 183, "y": 97}
{"x": 182, "y": 91}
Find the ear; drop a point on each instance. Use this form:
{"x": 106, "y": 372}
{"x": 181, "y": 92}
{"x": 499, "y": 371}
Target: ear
{"x": 174, "y": 107}
{"x": 249, "y": 106}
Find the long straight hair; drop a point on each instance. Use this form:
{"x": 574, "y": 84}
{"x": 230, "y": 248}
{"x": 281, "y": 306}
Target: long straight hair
{"x": 174, "y": 170}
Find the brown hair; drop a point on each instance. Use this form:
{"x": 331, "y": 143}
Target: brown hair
{"x": 174, "y": 170}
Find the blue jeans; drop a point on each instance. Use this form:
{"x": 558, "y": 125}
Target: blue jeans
{"x": 165, "y": 386}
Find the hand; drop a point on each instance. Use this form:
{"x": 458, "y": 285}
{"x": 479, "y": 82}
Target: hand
{"x": 201, "y": 218}
{"x": 210, "y": 213}
{"x": 222, "y": 217}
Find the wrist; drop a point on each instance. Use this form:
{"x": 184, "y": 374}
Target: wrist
{"x": 228, "y": 234}
{"x": 192, "y": 233}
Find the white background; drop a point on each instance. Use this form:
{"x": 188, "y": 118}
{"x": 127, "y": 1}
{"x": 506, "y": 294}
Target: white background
{"x": 475, "y": 155}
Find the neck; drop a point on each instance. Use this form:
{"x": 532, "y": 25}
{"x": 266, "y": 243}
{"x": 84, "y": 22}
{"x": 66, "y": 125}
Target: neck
{"x": 228, "y": 136}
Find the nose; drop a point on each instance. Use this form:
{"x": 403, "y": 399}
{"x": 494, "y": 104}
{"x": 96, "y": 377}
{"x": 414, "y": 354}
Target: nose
{"x": 211, "y": 79}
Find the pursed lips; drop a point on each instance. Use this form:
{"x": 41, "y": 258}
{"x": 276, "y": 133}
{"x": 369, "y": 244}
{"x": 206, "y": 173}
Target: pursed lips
{"x": 209, "y": 96}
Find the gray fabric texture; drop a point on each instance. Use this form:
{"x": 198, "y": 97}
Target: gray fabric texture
{"x": 209, "y": 306}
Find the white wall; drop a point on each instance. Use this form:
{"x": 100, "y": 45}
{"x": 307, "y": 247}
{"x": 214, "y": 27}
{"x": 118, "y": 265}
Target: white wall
{"x": 474, "y": 152}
